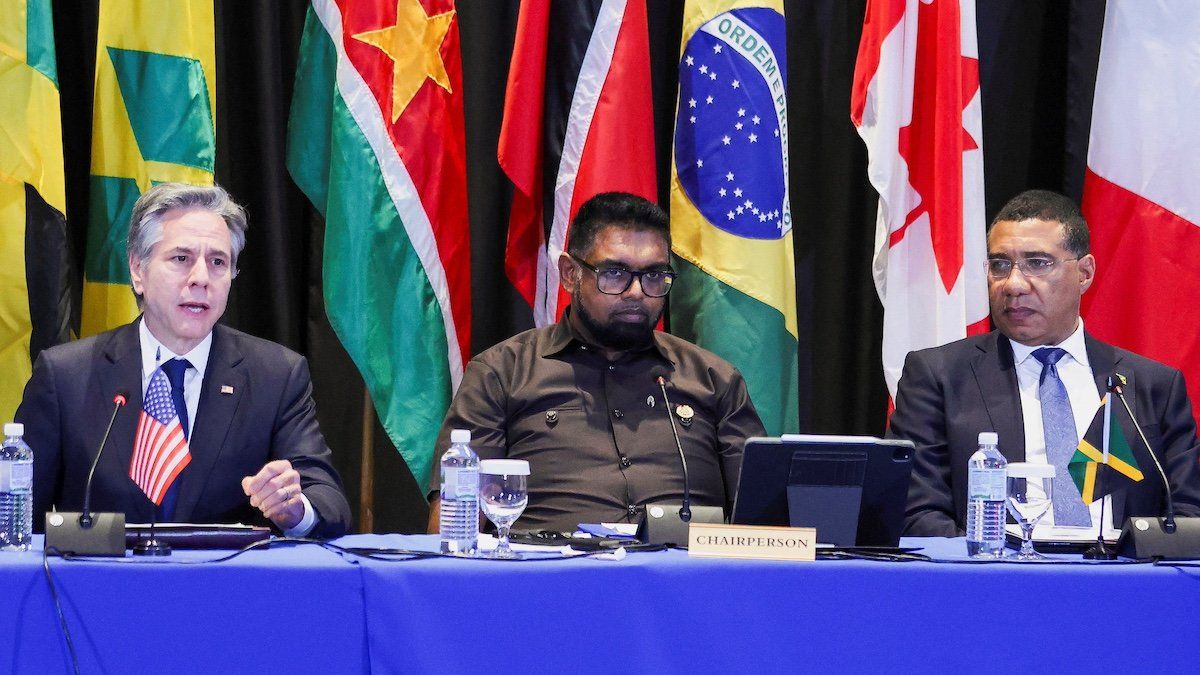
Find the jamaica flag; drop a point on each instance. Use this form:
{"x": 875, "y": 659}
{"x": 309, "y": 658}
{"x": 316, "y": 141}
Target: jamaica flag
{"x": 1092, "y": 452}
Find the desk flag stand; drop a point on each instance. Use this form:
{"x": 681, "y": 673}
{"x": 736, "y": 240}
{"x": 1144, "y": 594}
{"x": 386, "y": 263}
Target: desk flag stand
{"x": 152, "y": 546}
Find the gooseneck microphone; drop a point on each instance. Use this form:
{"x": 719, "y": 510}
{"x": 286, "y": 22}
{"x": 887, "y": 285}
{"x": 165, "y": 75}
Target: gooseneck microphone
{"x": 1115, "y": 385}
{"x": 685, "y": 511}
{"x": 85, "y": 518}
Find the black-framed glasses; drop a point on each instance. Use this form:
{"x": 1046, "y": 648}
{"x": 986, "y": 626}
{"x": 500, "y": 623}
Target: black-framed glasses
{"x": 1036, "y": 266}
{"x": 617, "y": 280}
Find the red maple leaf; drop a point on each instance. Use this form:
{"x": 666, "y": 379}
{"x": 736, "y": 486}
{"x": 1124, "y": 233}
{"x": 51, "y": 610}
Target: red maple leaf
{"x": 934, "y": 142}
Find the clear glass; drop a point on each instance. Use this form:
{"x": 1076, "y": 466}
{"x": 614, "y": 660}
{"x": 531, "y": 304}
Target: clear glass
{"x": 503, "y": 498}
{"x": 1028, "y": 509}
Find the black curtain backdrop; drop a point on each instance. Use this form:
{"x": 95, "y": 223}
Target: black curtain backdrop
{"x": 1028, "y": 52}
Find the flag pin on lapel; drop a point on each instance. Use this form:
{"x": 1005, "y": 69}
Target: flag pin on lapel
{"x": 227, "y": 389}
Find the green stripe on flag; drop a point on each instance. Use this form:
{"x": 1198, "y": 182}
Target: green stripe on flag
{"x": 112, "y": 201}
{"x": 39, "y": 42}
{"x": 749, "y": 334}
{"x": 175, "y": 129}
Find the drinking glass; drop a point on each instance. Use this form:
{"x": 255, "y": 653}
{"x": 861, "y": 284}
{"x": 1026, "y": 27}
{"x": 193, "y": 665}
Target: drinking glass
{"x": 503, "y": 494}
{"x": 1030, "y": 491}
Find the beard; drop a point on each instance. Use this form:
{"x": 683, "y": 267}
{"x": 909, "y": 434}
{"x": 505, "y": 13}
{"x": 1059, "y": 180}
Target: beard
{"x": 616, "y": 335}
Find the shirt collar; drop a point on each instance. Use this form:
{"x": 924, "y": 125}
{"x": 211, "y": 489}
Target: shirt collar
{"x": 1074, "y": 345}
{"x": 155, "y": 353}
{"x": 564, "y": 336}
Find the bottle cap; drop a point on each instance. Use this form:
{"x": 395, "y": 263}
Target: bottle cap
{"x": 988, "y": 438}
{"x": 460, "y": 436}
{"x": 14, "y": 429}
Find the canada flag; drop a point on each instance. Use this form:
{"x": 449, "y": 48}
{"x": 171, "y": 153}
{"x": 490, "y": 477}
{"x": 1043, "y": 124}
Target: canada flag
{"x": 916, "y": 104}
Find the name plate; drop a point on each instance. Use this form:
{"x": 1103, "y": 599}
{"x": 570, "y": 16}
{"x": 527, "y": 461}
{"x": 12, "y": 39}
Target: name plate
{"x": 754, "y": 542}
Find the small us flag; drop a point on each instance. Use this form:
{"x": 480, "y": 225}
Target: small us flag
{"x": 160, "y": 450}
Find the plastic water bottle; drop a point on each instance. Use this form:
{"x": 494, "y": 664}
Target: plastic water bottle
{"x": 987, "y": 491}
{"x": 16, "y": 490}
{"x": 459, "y": 523}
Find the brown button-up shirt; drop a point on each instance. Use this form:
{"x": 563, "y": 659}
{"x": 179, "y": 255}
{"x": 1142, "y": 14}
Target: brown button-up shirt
{"x": 596, "y": 432}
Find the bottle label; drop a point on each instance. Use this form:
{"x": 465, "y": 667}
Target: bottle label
{"x": 16, "y": 476}
{"x": 468, "y": 483}
{"x": 457, "y": 482}
{"x": 990, "y": 485}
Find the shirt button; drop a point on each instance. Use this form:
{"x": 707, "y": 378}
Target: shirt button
{"x": 617, "y": 413}
{"x": 612, "y": 367}
{"x": 626, "y": 462}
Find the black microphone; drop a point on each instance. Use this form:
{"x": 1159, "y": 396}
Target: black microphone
{"x": 660, "y": 377}
{"x": 85, "y": 518}
{"x": 1115, "y": 385}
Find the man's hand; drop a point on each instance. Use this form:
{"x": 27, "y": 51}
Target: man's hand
{"x": 275, "y": 490}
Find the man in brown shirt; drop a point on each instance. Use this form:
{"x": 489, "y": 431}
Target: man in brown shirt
{"x": 579, "y": 399}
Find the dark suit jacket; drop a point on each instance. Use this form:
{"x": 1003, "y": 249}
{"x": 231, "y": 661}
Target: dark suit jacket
{"x": 270, "y": 415}
{"x": 948, "y": 394}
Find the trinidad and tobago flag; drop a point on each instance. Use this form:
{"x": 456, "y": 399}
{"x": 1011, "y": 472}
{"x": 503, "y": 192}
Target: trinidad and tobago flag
{"x": 578, "y": 120}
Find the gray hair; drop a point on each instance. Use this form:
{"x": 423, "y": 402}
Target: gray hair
{"x": 145, "y": 224}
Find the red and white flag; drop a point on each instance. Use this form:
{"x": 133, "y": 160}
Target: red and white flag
{"x": 578, "y": 120}
{"x": 160, "y": 450}
{"x": 916, "y": 104}
{"x": 1140, "y": 191}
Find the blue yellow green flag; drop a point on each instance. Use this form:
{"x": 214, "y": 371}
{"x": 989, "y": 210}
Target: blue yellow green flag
{"x": 731, "y": 223}
{"x": 152, "y": 122}
{"x": 34, "y": 297}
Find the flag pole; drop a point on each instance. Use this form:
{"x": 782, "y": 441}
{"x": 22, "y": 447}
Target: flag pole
{"x": 366, "y": 497}
{"x": 152, "y": 546}
{"x": 1101, "y": 551}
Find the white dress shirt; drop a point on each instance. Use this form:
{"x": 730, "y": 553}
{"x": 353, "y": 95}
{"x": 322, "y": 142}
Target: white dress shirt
{"x": 155, "y": 353}
{"x": 1077, "y": 377}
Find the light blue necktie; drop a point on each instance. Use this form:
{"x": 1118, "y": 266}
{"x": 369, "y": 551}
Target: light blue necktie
{"x": 1058, "y": 424}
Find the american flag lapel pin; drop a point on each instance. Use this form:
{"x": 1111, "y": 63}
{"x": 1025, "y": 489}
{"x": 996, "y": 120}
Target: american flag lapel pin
{"x": 227, "y": 389}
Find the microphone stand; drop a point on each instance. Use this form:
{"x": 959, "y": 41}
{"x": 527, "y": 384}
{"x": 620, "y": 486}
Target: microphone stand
{"x": 685, "y": 510}
{"x": 1169, "y": 517}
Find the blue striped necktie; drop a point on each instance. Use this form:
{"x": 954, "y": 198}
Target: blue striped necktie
{"x": 1058, "y": 424}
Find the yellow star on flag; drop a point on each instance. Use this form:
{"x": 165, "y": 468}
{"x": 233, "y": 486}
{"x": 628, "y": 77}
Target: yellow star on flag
{"x": 413, "y": 45}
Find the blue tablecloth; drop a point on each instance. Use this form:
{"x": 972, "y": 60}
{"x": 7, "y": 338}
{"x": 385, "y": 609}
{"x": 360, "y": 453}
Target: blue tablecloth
{"x": 310, "y": 610}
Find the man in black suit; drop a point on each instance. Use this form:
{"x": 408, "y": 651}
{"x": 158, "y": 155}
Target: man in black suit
{"x": 256, "y": 450}
{"x": 1011, "y": 380}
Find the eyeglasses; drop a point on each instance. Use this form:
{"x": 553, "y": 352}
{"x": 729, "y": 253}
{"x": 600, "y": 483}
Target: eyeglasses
{"x": 1039, "y": 266}
{"x": 617, "y": 280}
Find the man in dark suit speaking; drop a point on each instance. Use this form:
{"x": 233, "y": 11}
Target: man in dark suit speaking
{"x": 1037, "y": 381}
{"x": 256, "y": 450}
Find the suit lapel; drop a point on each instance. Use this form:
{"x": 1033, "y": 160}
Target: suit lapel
{"x": 997, "y": 379}
{"x": 214, "y": 415}
{"x": 1104, "y": 360}
{"x": 122, "y": 373}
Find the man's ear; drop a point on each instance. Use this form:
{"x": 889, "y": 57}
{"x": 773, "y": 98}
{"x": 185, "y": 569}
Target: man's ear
{"x": 135, "y": 275}
{"x": 568, "y": 273}
{"x": 1087, "y": 272}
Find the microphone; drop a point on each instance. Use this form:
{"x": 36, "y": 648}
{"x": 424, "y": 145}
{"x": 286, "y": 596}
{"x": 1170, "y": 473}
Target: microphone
{"x": 660, "y": 377}
{"x": 85, "y": 518}
{"x": 1115, "y": 385}
{"x": 87, "y": 533}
